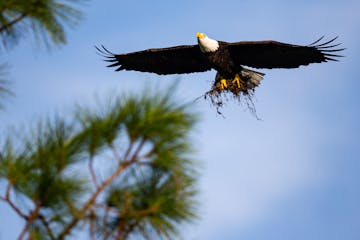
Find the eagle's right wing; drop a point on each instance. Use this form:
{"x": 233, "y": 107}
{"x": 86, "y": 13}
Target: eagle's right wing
{"x": 272, "y": 54}
{"x": 172, "y": 60}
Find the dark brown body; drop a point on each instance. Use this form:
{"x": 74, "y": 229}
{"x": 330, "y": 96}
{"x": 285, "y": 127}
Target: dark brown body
{"x": 222, "y": 62}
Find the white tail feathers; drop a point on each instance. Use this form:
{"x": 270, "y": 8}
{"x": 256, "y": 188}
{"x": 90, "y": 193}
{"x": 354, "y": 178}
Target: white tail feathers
{"x": 252, "y": 78}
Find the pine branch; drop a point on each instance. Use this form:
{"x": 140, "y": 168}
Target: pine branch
{"x": 105, "y": 219}
{"x": 33, "y": 215}
{"x": 12, "y": 22}
{"x": 92, "y": 199}
{"x": 11, "y": 203}
{"x": 92, "y": 225}
{"x": 115, "y": 153}
{"x": 92, "y": 171}
{"x": 47, "y": 227}
{"x": 101, "y": 188}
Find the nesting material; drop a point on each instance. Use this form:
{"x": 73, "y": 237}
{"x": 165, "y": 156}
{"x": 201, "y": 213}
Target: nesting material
{"x": 243, "y": 94}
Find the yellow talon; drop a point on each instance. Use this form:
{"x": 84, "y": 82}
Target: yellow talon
{"x": 223, "y": 84}
{"x": 237, "y": 80}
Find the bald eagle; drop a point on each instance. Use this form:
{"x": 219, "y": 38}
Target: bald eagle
{"x": 228, "y": 59}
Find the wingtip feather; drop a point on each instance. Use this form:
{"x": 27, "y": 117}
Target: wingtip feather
{"x": 311, "y": 44}
{"x": 327, "y": 49}
{"x": 326, "y": 43}
{"x": 104, "y": 52}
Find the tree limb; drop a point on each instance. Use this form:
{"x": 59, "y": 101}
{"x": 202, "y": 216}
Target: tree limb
{"x": 33, "y": 215}
{"x": 92, "y": 171}
{"x": 122, "y": 166}
{"x": 92, "y": 225}
{"x": 12, "y": 205}
{"x": 47, "y": 226}
{"x": 8, "y": 25}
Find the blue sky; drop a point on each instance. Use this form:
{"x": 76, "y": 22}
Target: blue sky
{"x": 293, "y": 175}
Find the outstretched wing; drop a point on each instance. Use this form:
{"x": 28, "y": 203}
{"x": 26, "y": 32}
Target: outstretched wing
{"x": 272, "y": 54}
{"x": 179, "y": 59}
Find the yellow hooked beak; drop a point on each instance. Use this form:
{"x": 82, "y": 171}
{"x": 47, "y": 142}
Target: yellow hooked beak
{"x": 200, "y": 35}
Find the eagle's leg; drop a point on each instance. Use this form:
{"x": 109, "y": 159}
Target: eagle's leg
{"x": 237, "y": 80}
{"x": 223, "y": 84}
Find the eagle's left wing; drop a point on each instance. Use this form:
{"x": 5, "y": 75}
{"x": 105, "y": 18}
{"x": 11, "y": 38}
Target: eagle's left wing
{"x": 172, "y": 60}
{"x": 272, "y": 54}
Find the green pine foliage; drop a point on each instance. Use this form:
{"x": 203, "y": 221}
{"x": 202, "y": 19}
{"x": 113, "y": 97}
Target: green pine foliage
{"x": 125, "y": 172}
{"x": 46, "y": 19}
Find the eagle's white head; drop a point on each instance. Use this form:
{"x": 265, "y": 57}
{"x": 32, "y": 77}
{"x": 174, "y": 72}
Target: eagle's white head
{"x": 206, "y": 44}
